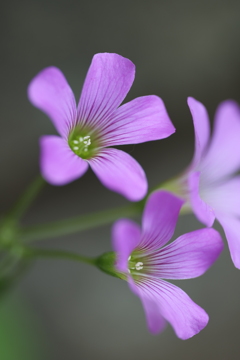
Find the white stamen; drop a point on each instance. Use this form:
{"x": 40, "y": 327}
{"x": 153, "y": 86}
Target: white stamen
{"x": 75, "y": 141}
{"x": 129, "y": 258}
{"x": 86, "y": 137}
{"x": 75, "y": 148}
{"x": 81, "y": 139}
{"x": 139, "y": 265}
{"x": 87, "y": 142}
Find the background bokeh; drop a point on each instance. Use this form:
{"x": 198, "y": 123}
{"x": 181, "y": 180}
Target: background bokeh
{"x": 180, "y": 48}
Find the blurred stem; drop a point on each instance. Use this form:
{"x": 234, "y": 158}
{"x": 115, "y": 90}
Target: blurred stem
{"x": 10, "y": 277}
{"x": 26, "y": 199}
{"x": 9, "y": 224}
{"x": 79, "y": 223}
{"x": 57, "y": 254}
{"x": 88, "y": 221}
{"x": 104, "y": 262}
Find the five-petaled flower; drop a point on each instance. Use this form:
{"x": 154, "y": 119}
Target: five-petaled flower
{"x": 89, "y": 129}
{"x": 209, "y": 184}
{"x": 143, "y": 260}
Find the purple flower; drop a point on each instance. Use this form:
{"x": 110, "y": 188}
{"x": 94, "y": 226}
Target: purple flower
{"x": 145, "y": 263}
{"x": 87, "y": 130}
{"x": 209, "y": 184}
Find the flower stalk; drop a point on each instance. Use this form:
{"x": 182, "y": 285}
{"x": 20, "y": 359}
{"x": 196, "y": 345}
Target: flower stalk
{"x": 26, "y": 199}
{"x": 105, "y": 262}
{"x": 78, "y": 223}
{"x": 57, "y": 254}
{"x": 9, "y": 229}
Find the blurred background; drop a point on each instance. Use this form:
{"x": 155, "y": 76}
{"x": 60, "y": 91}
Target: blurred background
{"x": 62, "y": 310}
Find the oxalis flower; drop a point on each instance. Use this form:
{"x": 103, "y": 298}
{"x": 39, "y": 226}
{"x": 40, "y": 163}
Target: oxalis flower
{"x": 87, "y": 130}
{"x": 209, "y": 185}
{"x": 143, "y": 260}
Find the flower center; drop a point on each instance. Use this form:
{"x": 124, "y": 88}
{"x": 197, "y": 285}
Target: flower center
{"x": 134, "y": 264}
{"x": 83, "y": 143}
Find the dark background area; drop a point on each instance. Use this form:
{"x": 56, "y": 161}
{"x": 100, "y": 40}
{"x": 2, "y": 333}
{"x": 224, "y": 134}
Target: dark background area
{"x": 180, "y": 48}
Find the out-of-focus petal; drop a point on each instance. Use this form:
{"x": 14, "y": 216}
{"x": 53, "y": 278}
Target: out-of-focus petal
{"x": 59, "y": 165}
{"x": 107, "y": 83}
{"x": 156, "y": 323}
{"x": 223, "y": 156}
{"x": 50, "y": 92}
{"x": 201, "y": 127}
{"x": 201, "y": 209}
{"x": 159, "y": 219}
{"x": 224, "y": 197}
{"x": 231, "y": 227}
{"x": 187, "y": 257}
{"x": 119, "y": 172}
{"x": 126, "y": 236}
{"x": 186, "y": 317}
{"x": 142, "y": 119}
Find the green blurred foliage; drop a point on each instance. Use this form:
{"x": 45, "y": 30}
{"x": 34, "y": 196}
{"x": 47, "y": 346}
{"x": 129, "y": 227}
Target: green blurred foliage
{"x": 20, "y": 334}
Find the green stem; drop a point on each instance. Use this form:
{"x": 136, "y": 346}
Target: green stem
{"x": 58, "y": 254}
{"x": 9, "y": 224}
{"x": 79, "y": 223}
{"x": 88, "y": 221}
{"x": 26, "y": 199}
{"x": 8, "y": 280}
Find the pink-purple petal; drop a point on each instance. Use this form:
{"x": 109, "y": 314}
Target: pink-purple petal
{"x": 187, "y": 257}
{"x": 201, "y": 128}
{"x": 107, "y": 83}
{"x": 119, "y": 172}
{"x": 231, "y": 227}
{"x": 185, "y": 316}
{"x": 159, "y": 219}
{"x": 142, "y": 119}
{"x": 59, "y": 165}
{"x": 201, "y": 209}
{"x": 156, "y": 323}
{"x": 126, "y": 236}
{"x": 225, "y": 197}
{"x": 50, "y": 92}
{"x": 223, "y": 156}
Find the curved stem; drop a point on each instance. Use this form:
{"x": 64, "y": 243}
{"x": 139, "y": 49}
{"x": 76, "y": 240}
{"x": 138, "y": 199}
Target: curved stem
{"x": 26, "y": 199}
{"x": 9, "y": 223}
{"x": 78, "y": 223}
{"x": 88, "y": 221}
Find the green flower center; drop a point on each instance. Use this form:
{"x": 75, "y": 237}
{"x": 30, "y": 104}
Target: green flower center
{"x": 83, "y": 143}
{"x": 135, "y": 264}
